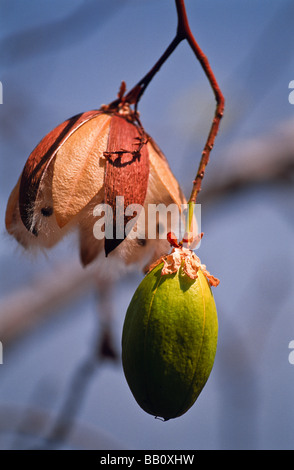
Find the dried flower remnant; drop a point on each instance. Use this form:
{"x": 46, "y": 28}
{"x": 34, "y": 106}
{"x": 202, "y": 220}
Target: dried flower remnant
{"x": 187, "y": 260}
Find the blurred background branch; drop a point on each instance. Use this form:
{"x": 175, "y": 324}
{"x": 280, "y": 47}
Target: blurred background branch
{"x": 27, "y": 306}
{"x": 56, "y": 35}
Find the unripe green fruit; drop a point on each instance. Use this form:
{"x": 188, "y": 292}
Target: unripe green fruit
{"x": 169, "y": 341}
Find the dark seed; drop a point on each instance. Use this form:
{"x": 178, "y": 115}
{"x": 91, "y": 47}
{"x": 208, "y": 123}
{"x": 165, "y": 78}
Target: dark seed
{"x": 47, "y": 211}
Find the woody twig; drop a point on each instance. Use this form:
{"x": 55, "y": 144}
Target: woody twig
{"x": 134, "y": 95}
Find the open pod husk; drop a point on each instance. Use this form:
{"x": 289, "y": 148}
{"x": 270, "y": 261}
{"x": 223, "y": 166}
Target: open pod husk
{"x": 86, "y": 161}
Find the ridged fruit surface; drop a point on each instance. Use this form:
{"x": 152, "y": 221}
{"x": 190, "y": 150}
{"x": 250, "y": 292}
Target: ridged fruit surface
{"x": 169, "y": 341}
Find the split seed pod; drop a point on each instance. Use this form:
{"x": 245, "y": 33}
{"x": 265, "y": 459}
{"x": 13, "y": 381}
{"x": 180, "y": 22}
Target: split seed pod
{"x": 88, "y": 160}
{"x": 170, "y": 335}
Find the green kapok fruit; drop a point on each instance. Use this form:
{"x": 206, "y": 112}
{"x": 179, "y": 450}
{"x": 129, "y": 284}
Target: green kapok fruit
{"x": 170, "y": 335}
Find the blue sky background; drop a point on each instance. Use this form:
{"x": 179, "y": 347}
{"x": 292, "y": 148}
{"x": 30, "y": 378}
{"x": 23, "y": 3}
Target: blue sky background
{"x": 63, "y": 57}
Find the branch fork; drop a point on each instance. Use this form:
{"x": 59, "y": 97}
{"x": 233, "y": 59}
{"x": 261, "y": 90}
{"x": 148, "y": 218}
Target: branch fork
{"x": 134, "y": 95}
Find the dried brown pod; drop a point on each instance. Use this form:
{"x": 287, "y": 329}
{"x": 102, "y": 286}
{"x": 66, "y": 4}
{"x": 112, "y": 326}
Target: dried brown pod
{"x": 79, "y": 168}
{"x": 163, "y": 188}
{"x": 126, "y": 173}
{"x": 88, "y": 160}
{"x": 39, "y": 161}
